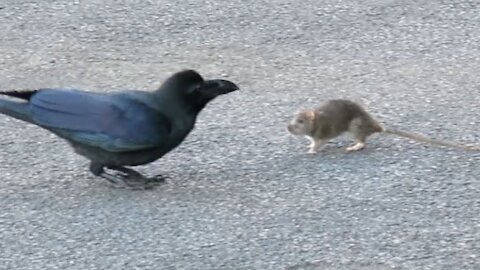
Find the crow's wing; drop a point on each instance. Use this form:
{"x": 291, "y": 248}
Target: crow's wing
{"x": 111, "y": 122}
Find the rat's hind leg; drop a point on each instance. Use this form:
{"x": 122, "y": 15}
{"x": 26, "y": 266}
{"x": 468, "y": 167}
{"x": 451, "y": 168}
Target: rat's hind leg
{"x": 360, "y": 129}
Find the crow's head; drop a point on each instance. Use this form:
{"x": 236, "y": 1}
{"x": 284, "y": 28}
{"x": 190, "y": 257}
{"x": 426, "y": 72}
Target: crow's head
{"x": 194, "y": 90}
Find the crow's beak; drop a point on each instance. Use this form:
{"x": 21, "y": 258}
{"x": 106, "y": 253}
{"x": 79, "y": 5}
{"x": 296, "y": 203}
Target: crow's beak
{"x": 218, "y": 87}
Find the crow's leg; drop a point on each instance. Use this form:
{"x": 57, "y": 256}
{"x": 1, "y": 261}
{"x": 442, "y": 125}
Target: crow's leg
{"x": 134, "y": 180}
{"x": 96, "y": 168}
{"x": 127, "y": 178}
{"x": 133, "y": 173}
{"x": 99, "y": 170}
{"x": 158, "y": 179}
{"x": 124, "y": 178}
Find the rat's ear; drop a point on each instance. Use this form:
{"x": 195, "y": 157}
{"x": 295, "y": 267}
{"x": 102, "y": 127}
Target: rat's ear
{"x": 310, "y": 115}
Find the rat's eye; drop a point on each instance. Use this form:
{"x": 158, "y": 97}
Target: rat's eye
{"x": 300, "y": 121}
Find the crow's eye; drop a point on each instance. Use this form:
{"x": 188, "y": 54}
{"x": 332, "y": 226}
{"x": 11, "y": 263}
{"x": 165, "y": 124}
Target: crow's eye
{"x": 194, "y": 89}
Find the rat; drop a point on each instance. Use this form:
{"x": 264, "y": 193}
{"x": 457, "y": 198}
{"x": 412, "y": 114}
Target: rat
{"x": 337, "y": 116}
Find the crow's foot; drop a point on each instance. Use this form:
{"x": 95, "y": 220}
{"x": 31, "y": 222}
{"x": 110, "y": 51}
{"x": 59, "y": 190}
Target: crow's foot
{"x": 158, "y": 179}
{"x": 130, "y": 179}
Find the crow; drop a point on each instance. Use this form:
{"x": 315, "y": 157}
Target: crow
{"x": 120, "y": 129}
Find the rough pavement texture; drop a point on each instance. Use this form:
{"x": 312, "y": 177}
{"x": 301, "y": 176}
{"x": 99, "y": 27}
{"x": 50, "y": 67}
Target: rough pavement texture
{"x": 243, "y": 193}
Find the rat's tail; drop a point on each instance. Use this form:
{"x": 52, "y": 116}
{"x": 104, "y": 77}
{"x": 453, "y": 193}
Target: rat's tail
{"x": 421, "y": 138}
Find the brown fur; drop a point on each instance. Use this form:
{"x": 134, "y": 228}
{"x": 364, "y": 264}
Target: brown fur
{"x": 335, "y": 117}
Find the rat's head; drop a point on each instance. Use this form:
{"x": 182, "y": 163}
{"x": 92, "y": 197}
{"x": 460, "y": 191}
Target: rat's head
{"x": 302, "y": 123}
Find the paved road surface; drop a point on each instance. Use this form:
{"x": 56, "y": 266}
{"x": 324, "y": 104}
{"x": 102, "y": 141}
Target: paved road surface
{"x": 243, "y": 193}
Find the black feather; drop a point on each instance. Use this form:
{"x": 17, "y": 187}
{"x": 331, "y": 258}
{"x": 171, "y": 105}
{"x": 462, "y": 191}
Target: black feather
{"x": 24, "y": 94}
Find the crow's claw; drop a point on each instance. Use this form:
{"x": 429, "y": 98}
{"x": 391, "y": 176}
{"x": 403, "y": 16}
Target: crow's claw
{"x": 121, "y": 180}
{"x": 158, "y": 179}
{"x": 127, "y": 178}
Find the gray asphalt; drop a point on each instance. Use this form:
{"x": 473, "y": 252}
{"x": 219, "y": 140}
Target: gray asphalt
{"x": 243, "y": 193}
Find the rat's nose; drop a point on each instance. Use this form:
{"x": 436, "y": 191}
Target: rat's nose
{"x": 289, "y": 128}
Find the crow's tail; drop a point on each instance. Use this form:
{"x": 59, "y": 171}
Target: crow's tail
{"x": 421, "y": 138}
{"x": 27, "y": 94}
{"x": 16, "y": 109}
